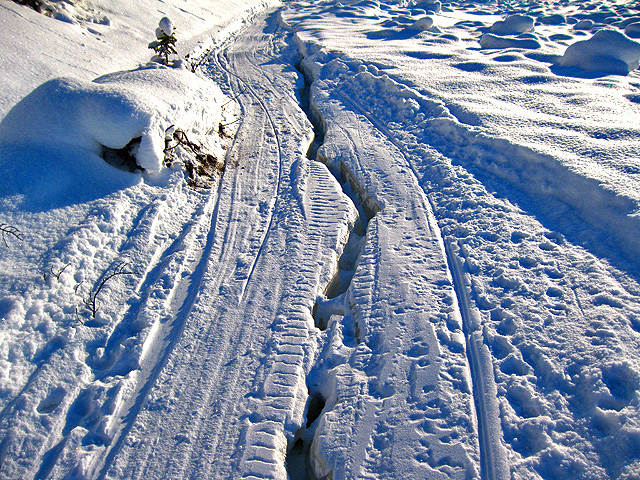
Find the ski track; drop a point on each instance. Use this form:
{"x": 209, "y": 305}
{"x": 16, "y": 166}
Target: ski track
{"x": 492, "y": 453}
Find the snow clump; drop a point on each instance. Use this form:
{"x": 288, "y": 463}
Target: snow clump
{"x": 166, "y": 26}
{"x": 114, "y": 110}
{"x": 608, "y": 51}
{"x": 632, "y": 30}
{"x": 586, "y": 24}
{"x": 513, "y": 25}
{"x": 494, "y": 41}
{"x": 430, "y": 6}
{"x": 425, "y": 23}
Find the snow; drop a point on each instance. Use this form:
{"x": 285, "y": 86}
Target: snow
{"x": 607, "y": 50}
{"x": 513, "y": 24}
{"x": 357, "y": 239}
{"x": 166, "y": 26}
{"x": 424, "y": 23}
{"x": 632, "y": 30}
{"x": 489, "y": 40}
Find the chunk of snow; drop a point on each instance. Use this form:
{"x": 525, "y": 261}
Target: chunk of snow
{"x": 555, "y": 19}
{"x": 632, "y": 30}
{"x": 585, "y": 24}
{"x": 608, "y": 51}
{"x": 513, "y": 24}
{"x": 112, "y": 111}
{"x": 430, "y": 6}
{"x": 425, "y": 23}
{"x": 489, "y": 40}
{"x": 166, "y": 26}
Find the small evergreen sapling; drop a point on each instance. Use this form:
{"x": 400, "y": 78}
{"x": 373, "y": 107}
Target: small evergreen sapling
{"x": 165, "y": 44}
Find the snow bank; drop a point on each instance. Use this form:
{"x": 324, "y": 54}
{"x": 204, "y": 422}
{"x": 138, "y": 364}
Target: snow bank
{"x": 608, "y": 51}
{"x": 513, "y": 25}
{"x": 112, "y": 111}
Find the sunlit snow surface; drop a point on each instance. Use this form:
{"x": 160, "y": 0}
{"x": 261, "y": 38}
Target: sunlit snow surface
{"x": 443, "y": 283}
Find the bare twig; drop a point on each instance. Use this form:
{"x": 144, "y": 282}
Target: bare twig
{"x": 91, "y": 302}
{"x": 59, "y": 271}
{"x": 9, "y": 231}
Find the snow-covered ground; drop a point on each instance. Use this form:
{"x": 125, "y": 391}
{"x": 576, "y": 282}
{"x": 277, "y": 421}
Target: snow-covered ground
{"x": 364, "y": 239}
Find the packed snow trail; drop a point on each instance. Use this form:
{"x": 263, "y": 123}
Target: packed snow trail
{"x": 205, "y": 375}
{"x": 553, "y": 327}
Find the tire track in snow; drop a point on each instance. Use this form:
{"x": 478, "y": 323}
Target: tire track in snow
{"x": 216, "y": 380}
{"x": 186, "y": 293}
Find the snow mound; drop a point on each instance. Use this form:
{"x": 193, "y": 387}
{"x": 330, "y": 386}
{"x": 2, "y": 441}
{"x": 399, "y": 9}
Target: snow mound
{"x": 112, "y": 111}
{"x": 489, "y": 40}
{"x": 608, "y": 51}
{"x": 554, "y": 19}
{"x": 633, "y": 30}
{"x": 430, "y": 6}
{"x": 585, "y": 24}
{"x": 513, "y": 24}
{"x": 425, "y": 23}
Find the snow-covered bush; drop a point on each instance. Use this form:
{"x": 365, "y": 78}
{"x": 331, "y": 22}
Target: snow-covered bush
{"x": 608, "y": 51}
{"x": 126, "y": 109}
{"x": 165, "y": 43}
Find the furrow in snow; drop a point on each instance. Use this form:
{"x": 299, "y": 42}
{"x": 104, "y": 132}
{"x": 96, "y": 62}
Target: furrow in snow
{"x": 300, "y": 463}
{"x": 493, "y": 456}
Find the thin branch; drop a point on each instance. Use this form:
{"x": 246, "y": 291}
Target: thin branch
{"x": 58, "y": 272}
{"x": 233, "y": 98}
{"x": 91, "y": 302}
{"x": 9, "y": 231}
